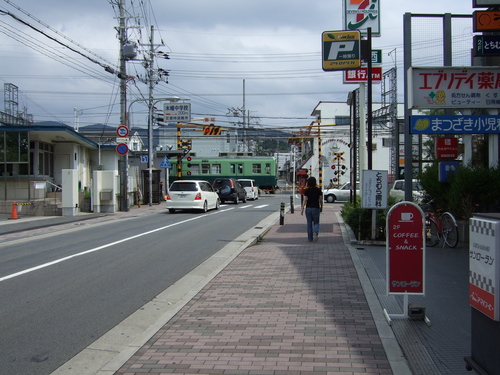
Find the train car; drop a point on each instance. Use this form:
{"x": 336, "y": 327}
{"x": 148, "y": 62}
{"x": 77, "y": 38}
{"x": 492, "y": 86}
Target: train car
{"x": 261, "y": 169}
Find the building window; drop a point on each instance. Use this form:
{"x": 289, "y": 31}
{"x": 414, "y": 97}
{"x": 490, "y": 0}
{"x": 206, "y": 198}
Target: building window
{"x": 14, "y": 153}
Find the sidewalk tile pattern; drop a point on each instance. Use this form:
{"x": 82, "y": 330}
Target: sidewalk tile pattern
{"x": 283, "y": 306}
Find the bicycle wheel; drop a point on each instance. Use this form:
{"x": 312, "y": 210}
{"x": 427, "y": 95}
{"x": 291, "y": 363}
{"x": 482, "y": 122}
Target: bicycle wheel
{"x": 450, "y": 230}
{"x": 431, "y": 233}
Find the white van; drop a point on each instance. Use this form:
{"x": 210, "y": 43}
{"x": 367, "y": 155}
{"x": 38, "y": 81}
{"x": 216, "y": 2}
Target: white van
{"x": 250, "y": 187}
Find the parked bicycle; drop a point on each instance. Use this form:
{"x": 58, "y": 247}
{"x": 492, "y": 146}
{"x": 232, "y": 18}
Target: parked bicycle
{"x": 439, "y": 224}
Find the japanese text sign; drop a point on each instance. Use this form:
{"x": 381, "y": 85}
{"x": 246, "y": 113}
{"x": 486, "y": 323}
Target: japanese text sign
{"x": 452, "y": 87}
{"x": 455, "y": 124}
{"x": 486, "y": 45}
{"x": 484, "y": 283}
{"x": 405, "y": 249}
{"x": 374, "y": 189}
{"x": 361, "y": 75}
{"x": 177, "y": 112}
{"x": 341, "y": 50}
{"x": 446, "y": 148}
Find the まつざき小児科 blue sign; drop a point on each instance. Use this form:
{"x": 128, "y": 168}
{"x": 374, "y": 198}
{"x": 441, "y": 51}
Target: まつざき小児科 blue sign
{"x": 455, "y": 124}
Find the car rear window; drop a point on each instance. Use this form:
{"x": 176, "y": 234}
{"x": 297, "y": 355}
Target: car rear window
{"x": 184, "y": 186}
{"x": 245, "y": 183}
{"x": 222, "y": 182}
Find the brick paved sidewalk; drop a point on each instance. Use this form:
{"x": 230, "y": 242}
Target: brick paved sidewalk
{"x": 283, "y": 306}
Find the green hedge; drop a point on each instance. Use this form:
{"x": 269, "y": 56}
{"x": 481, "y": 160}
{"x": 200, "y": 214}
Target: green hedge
{"x": 471, "y": 189}
{"x": 360, "y": 219}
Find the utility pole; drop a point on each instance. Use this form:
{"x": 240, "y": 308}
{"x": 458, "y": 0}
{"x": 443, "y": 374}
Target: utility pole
{"x": 124, "y": 204}
{"x": 150, "y": 116}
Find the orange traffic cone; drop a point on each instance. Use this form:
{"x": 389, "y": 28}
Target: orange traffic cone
{"x": 14, "y": 216}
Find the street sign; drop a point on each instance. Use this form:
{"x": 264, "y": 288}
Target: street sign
{"x": 341, "y": 50}
{"x": 177, "y": 112}
{"x": 361, "y": 75}
{"x": 122, "y": 131}
{"x": 144, "y": 159}
{"x": 165, "y": 163}
{"x": 486, "y": 20}
{"x": 122, "y": 149}
{"x": 405, "y": 249}
{"x": 486, "y": 45}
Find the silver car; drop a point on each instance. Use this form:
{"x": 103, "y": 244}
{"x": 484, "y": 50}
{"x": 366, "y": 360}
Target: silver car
{"x": 192, "y": 195}
{"x": 250, "y": 187}
{"x": 340, "y": 194}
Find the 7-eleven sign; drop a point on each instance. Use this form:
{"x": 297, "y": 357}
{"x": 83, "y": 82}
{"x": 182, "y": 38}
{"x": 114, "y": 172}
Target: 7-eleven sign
{"x": 361, "y": 14}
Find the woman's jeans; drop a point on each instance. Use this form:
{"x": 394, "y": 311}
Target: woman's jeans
{"x": 312, "y": 217}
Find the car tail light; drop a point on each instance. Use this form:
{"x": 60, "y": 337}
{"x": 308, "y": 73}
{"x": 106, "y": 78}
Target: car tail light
{"x": 168, "y": 197}
{"x": 232, "y": 183}
{"x": 198, "y": 197}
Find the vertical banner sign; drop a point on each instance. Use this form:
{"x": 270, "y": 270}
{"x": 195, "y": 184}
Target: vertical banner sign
{"x": 484, "y": 283}
{"x": 405, "y": 249}
{"x": 374, "y": 190}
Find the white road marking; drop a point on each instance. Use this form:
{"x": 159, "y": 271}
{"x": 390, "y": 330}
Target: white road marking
{"x": 45, "y": 265}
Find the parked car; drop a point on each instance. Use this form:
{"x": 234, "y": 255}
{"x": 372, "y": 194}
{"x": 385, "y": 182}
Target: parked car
{"x": 398, "y": 190}
{"x": 192, "y": 195}
{"x": 340, "y": 194}
{"x": 250, "y": 187}
{"x": 229, "y": 190}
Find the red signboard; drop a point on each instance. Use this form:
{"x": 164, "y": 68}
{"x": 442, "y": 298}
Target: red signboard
{"x": 361, "y": 75}
{"x": 405, "y": 249}
{"x": 446, "y": 148}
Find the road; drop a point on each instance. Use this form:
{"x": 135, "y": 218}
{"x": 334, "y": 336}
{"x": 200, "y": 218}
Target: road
{"x": 61, "y": 291}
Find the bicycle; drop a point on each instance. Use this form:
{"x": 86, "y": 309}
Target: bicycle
{"x": 441, "y": 224}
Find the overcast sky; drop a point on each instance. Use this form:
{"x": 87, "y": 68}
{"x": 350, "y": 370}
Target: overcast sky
{"x": 274, "y": 45}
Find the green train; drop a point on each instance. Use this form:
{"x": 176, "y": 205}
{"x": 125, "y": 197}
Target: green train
{"x": 261, "y": 169}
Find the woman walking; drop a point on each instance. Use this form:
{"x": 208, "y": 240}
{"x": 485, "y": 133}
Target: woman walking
{"x": 313, "y": 205}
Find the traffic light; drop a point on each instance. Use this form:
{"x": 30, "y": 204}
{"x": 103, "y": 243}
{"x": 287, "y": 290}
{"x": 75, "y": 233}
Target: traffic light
{"x": 189, "y": 161}
{"x": 211, "y": 130}
{"x": 333, "y": 167}
{"x": 207, "y": 129}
